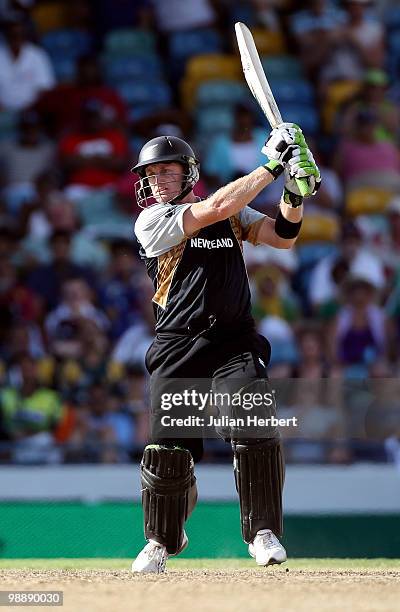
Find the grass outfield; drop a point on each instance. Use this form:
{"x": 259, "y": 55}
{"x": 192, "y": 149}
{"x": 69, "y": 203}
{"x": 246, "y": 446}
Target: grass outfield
{"x": 182, "y": 564}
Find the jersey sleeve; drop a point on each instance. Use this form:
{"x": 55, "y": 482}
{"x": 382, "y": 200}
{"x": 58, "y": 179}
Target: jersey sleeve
{"x": 251, "y": 221}
{"x": 160, "y": 228}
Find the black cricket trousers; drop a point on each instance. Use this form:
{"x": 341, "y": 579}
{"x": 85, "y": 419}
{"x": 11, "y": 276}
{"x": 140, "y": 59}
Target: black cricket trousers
{"x": 214, "y": 355}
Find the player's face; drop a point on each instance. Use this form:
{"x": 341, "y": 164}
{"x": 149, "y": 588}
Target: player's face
{"x": 165, "y": 180}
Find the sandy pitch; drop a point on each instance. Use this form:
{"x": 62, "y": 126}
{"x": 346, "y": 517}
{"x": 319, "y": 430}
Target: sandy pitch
{"x": 192, "y": 590}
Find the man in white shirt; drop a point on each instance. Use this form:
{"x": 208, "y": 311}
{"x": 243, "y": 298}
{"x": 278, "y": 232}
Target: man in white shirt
{"x": 177, "y": 15}
{"x": 25, "y": 69}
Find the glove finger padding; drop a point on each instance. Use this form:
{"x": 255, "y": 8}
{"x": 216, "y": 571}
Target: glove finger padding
{"x": 300, "y": 154}
{"x": 313, "y": 183}
{"x": 303, "y": 169}
{"x": 281, "y": 142}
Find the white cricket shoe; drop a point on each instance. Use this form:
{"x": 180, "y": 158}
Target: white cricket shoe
{"x": 153, "y": 557}
{"x": 266, "y": 548}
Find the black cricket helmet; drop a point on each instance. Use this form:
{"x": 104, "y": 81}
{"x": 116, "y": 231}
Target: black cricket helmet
{"x": 165, "y": 149}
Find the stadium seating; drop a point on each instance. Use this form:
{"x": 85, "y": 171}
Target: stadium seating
{"x": 145, "y": 92}
{"x": 318, "y": 227}
{"x": 282, "y": 67}
{"x": 8, "y": 124}
{"x": 213, "y": 65}
{"x": 311, "y": 253}
{"x": 129, "y": 42}
{"x": 49, "y": 16}
{"x": 207, "y": 67}
{"x": 306, "y": 116}
{"x": 64, "y": 68}
{"x": 67, "y": 43}
{"x": 214, "y": 120}
{"x": 221, "y": 92}
{"x": 121, "y": 68}
{"x": 367, "y": 201}
{"x": 292, "y": 91}
{"x": 95, "y": 208}
{"x": 193, "y": 42}
{"x": 242, "y": 11}
{"x": 393, "y": 56}
{"x": 269, "y": 42}
{"x": 337, "y": 94}
{"x": 392, "y": 19}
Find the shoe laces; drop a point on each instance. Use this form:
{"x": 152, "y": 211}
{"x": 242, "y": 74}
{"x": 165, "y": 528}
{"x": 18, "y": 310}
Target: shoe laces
{"x": 268, "y": 539}
{"x": 152, "y": 549}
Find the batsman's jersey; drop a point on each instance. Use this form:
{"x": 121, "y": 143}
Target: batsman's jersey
{"x": 200, "y": 278}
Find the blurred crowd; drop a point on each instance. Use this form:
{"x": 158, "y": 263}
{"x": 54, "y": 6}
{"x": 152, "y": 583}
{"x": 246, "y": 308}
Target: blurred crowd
{"x": 82, "y": 86}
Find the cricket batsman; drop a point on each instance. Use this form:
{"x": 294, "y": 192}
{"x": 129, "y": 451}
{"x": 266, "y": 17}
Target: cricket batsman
{"x": 204, "y": 327}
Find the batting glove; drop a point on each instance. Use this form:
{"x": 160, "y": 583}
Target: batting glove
{"x": 302, "y": 165}
{"x": 280, "y": 144}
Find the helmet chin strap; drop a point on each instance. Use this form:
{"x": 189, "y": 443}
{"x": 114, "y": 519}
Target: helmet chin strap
{"x": 182, "y": 195}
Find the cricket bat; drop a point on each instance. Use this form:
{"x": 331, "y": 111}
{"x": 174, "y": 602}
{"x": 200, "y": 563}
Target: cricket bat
{"x": 258, "y": 83}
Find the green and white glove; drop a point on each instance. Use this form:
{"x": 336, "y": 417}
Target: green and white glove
{"x": 279, "y": 147}
{"x": 301, "y": 165}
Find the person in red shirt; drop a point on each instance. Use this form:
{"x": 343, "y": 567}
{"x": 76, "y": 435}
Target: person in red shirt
{"x": 94, "y": 155}
{"x": 61, "y": 107}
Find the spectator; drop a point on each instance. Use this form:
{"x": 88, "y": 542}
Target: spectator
{"x": 48, "y": 211}
{"x": 230, "y": 156}
{"x": 131, "y": 348}
{"x": 25, "y": 69}
{"x": 11, "y": 10}
{"x": 136, "y": 401}
{"x": 94, "y": 156}
{"x": 267, "y": 13}
{"x": 366, "y": 32}
{"x": 313, "y": 362}
{"x": 61, "y": 107}
{"x": 283, "y": 345}
{"x": 47, "y": 280}
{"x": 31, "y": 414}
{"x": 321, "y": 423}
{"x": 22, "y": 303}
{"x": 384, "y": 239}
{"x": 330, "y": 272}
{"x": 274, "y": 297}
{"x": 372, "y": 97}
{"x": 66, "y": 325}
{"x": 105, "y": 432}
{"x": 23, "y": 160}
{"x": 51, "y": 212}
{"x": 120, "y": 293}
{"x": 116, "y": 14}
{"x": 392, "y": 308}
{"x": 314, "y": 29}
{"x": 329, "y": 198}
{"x": 80, "y": 369}
{"x": 179, "y": 15}
{"x": 358, "y": 335}
{"x": 362, "y": 154}
{"x": 22, "y": 338}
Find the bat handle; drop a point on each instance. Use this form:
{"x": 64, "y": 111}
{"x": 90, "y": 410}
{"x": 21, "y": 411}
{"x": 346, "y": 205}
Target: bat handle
{"x": 303, "y": 186}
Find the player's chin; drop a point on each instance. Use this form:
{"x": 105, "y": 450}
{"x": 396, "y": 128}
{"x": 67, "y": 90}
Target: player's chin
{"x": 167, "y": 196}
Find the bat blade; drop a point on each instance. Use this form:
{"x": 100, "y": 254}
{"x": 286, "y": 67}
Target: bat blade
{"x": 255, "y": 75}
{"x": 258, "y": 83}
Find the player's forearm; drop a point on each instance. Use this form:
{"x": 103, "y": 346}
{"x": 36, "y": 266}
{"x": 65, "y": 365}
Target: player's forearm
{"x": 231, "y": 198}
{"x": 294, "y": 215}
{"x": 282, "y": 232}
